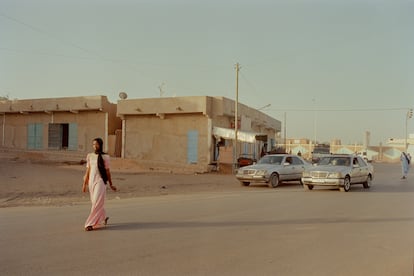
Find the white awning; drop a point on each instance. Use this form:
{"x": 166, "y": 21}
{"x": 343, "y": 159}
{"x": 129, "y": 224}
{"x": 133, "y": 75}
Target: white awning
{"x": 244, "y": 136}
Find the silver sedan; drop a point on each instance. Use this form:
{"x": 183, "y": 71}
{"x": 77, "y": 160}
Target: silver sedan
{"x": 273, "y": 169}
{"x": 340, "y": 171}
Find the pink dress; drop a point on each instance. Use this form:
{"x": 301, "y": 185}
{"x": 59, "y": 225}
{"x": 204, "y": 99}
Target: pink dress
{"x": 97, "y": 190}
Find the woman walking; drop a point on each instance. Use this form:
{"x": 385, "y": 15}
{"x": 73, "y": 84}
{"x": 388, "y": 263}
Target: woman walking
{"x": 96, "y": 176}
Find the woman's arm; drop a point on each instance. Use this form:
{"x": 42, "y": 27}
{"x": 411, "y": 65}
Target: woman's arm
{"x": 85, "y": 180}
{"x": 108, "y": 173}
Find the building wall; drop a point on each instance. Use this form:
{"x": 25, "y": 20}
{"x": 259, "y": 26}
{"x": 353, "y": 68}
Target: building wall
{"x": 163, "y": 141}
{"x": 156, "y": 128}
{"x": 90, "y": 125}
{"x": 14, "y": 134}
{"x": 114, "y": 123}
{"x": 389, "y": 154}
{"x": 93, "y": 115}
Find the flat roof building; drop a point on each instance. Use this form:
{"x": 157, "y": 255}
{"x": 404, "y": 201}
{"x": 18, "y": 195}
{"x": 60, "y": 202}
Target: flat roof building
{"x": 191, "y": 133}
{"x": 69, "y": 123}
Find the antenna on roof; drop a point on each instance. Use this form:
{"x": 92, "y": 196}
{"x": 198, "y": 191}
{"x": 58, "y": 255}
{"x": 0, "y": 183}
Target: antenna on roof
{"x": 123, "y": 95}
{"x": 161, "y": 90}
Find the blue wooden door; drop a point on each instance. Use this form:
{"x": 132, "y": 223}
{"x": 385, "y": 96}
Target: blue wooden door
{"x": 192, "y": 146}
{"x": 73, "y": 136}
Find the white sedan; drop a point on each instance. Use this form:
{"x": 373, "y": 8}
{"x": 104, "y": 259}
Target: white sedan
{"x": 339, "y": 171}
{"x": 273, "y": 169}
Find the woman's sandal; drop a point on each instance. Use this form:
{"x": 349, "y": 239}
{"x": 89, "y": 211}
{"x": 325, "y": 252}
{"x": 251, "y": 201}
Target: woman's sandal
{"x": 106, "y": 220}
{"x": 89, "y": 228}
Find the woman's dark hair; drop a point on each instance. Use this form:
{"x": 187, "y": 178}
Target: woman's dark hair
{"x": 101, "y": 165}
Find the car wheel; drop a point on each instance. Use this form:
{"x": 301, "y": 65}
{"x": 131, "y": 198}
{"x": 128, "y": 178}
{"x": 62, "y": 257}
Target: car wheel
{"x": 244, "y": 183}
{"x": 308, "y": 187}
{"x": 347, "y": 185}
{"x": 274, "y": 180}
{"x": 367, "y": 184}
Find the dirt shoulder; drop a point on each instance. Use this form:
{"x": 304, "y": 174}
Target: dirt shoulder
{"x": 39, "y": 183}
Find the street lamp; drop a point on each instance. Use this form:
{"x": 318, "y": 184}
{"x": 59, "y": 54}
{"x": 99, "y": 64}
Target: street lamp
{"x": 408, "y": 116}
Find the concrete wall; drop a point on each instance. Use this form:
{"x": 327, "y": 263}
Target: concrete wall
{"x": 14, "y": 130}
{"x": 159, "y": 106}
{"x": 213, "y": 107}
{"x": 94, "y": 116}
{"x": 163, "y": 141}
{"x": 90, "y": 125}
{"x": 156, "y": 129}
{"x": 259, "y": 120}
{"x": 74, "y": 104}
{"x": 389, "y": 154}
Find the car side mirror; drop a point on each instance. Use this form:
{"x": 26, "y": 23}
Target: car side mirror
{"x": 286, "y": 163}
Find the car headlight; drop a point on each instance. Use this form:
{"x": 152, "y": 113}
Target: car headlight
{"x": 335, "y": 175}
{"x": 261, "y": 172}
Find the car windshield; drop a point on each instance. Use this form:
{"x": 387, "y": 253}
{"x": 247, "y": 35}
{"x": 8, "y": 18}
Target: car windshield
{"x": 275, "y": 160}
{"x": 334, "y": 161}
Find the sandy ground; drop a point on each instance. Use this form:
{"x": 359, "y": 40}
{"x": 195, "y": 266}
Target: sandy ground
{"x": 27, "y": 182}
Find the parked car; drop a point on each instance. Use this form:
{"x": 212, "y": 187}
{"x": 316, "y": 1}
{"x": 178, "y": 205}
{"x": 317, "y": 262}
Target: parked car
{"x": 273, "y": 169}
{"x": 245, "y": 160}
{"x": 339, "y": 170}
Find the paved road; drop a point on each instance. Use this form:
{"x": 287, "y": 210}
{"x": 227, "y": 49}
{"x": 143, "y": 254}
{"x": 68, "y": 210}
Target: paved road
{"x": 255, "y": 231}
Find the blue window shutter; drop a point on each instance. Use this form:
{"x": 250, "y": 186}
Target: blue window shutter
{"x": 31, "y": 136}
{"x": 39, "y": 136}
{"x": 73, "y": 136}
{"x": 192, "y": 146}
{"x": 35, "y": 136}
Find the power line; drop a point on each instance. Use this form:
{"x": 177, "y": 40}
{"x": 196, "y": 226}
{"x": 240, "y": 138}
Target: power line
{"x": 38, "y": 30}
{"x": 40, "y": 53}
{"x": 248, "y": 82}
{"x": 94, "y": 54}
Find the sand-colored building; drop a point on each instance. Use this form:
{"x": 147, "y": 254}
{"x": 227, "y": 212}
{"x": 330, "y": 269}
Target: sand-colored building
{"x": 179, "y": 133}
{"x": 191, "y": 133}
{"x": 58, "y": 124}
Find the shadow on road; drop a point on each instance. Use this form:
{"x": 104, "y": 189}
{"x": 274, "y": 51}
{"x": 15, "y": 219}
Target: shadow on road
{"x": 397, "y": 186}
{"x": 128, "y": 226}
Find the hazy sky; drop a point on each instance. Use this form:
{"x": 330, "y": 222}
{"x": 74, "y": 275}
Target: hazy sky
{"x": 336, "y": 68}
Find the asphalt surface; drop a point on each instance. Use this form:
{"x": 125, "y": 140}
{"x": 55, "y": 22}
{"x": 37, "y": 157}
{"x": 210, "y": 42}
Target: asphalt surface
{"x": 252, "y": 231}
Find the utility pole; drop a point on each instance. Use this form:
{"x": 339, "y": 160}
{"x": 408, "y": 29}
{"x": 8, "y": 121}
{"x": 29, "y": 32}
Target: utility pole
{"x": 284, "y": 131}
{"x": 314, "y": 122}
{"x": 236, "y": 106}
